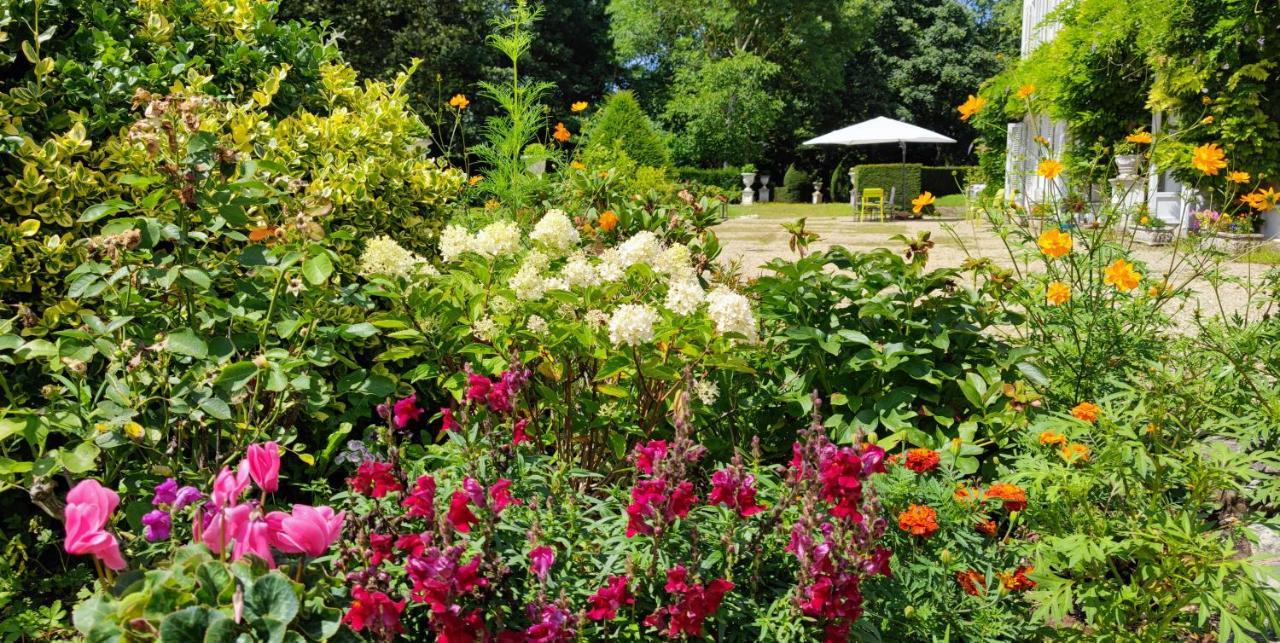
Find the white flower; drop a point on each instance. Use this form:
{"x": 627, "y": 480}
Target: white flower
{"x": 556, "y": 232}
{"x": 498, "y": 239}
{"x": 684, "y": 296}
{"x": 554, "y": 283}
{"x": 527, "y": 282}
{"x": 610, "y": 267}
{"x": 501, "y": 305}
{"x": 578, "y": 272}
{"x": 731, "y": 312}
{"x": 707, "y": 391}
{"x": 536, "y": 325}
{"x": 675, "y": 261}
{"x": 485, "y": 329}
{"x": 632, "y": 324}
{"x": 383, "y": 256}
{"x": 596, "y": 318}
{"x": 454, "y": 241}
{"x": 641, "y": 248}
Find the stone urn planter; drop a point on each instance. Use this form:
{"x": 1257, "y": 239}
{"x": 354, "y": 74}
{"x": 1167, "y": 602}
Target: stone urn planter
{"x": 763, "y": 194}
{"x": 1271, "y": 224}
{"x": 748, "y": 194}
{"x": 1127, "y": 165}
{"x": 1154, "y": 236}
{"x": 1234, "y": 243}
{"x": 817, "y": 192}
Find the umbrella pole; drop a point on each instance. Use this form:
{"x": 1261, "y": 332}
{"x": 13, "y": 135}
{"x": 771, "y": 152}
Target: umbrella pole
{"x": 902, "y": 172}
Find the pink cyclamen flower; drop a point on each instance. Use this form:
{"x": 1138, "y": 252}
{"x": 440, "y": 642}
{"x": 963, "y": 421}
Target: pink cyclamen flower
{"x": 228, "y": 486}
{"x": 89, "y": 505}
{"x": 308, "y": 530}
{"x": 405, "y": 410}
{"x": 235, "y": 527}
{"x": 607, "y": 600}
{"x": 264, "y": 465}
{"x": 540, "y": 561}
{"x": 157, "y": 525}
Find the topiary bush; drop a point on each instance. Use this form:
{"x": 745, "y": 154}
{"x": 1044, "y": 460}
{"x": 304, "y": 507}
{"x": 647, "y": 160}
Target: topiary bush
{"x": 795, "y": 185}
{"x": 947, "y": 179}
{"x": 728, "y": 179}
{"x": 622, "y": 124}
{"x": 890, "y": 176}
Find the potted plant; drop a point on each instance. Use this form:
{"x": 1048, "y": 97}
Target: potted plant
{"x": 1230, "y": 233}
{"x": 1128, "y": 153}
{"x": 748, "y": 180}
{"x": 1151, "y": 231}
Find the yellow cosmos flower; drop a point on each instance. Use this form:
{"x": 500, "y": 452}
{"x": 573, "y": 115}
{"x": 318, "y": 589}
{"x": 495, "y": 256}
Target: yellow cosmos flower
{"x": 1058, "y": 293}
{"x": 1208, "y": 158}
{"x": 1049, "y": 169}
{"x": 472, "y": 181}
{"x": 1121, "y": 275}
{"x": 459, "y": 101}
{"x": 102, "y": 427}
{"x": 1054, "y": 243}
{"x": 1207, "y": 120}
{"x": 578, "y": 165}
{"x": 1140, "y": 138}
{"x": 580, "y": 106}
{"x": 921, "y": 202}
{"x": 1261, "y": 200}
{"x": 1041, "y": 140}
{"x": 971, "y": 107}
{"x": 1238, "y": 177}
{"x": 1025, "y": 91}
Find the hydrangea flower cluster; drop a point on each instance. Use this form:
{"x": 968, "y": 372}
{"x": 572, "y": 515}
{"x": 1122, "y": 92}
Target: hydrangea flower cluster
{"x": 383, "y": 256}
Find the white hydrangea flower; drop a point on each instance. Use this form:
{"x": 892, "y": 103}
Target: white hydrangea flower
{"x": 643, "y": 247}
{"x": 556, "y": 232}
{"x": 528, "y": 283}
{"x": 684, "y": 296}
{"x": 596, "y": 318}
{"x": 578, "y": 272}
{"x": 501, "y": 305}
{"x": 383, "y": 256}
{"x": 731, "y": 313}
{"x": 454, "y": 241}
{"x": 536, "y": 325}
{"x": 485, "y": 329}
{"x": 707, "y": 391}
{"x": 554, "y": 283}
{"x": 498, "y": 239}
{"x": 610, "y": 267}
{"x": 632, "y": 324}
{"x": 675, "y": 261}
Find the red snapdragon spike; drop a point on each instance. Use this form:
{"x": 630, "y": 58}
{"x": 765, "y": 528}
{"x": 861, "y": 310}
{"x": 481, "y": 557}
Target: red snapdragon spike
{"x": 500, "y": 494}
{"x": 736, "y": 491}
{"x": 412, "y": 544}
{"x": 607, "y": 600}
{"x": 649, "y": 454}
{"x": 541, "y": 558}
{"x": 375, "y": 479}
{"x": 406, "y": 410}
{"x": 682, "y": 499}
{"x": 381, "y": 547}
{"x": 374, "y": 611}
{"x": 460, "y": 515}
{"x": 421, "y": 500}
{"x": 694, "y": 603}
{"x": 552, "y": 623}
{"x": 518, "y": 435}
{"x": 451, "y": 626}
{"x": 644, "y": 497}
{"x": 447, "y": 421}
{"x": 478, "y": 388}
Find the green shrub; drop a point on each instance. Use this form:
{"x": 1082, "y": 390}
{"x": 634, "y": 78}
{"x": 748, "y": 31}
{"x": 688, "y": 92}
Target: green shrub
{"x": 622, "y": 124}
{"x": 728, "y": 179}
{"x": 947, "y": 179}
{"x": 903, "y": 182}
{"x": 795, "y": 186}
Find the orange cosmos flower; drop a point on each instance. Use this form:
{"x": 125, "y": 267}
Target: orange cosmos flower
{"x": 1015, "y": 499}
{"x": 1024, "y": 92}
{"x": 1049, "y": 168}
{"x": 921, "y": 460}
{"x": 472, "y": 181}
{"x": 1017, "y": 581}
{"x": 562, "y": 133}
{"x": 1139, "y": 138}
{"x": 971, "y": 582}
{"x": 1238, "y": 177}
{"x": 918, "y": 520}
{"x": 608, "y": 221}
{"x": 921, "y": 202}
{"x": 579, "y": 106}
{"x": 459, "y": 101}
{"x": 1122, "y": 275}
{"x": 1058, "y": 293}
{"x": 971, "y": 107}
{"x": 578, "y": 165}
{"x": 1050, "y": 438}
{"x": 1086, "y": 411}
{"x": 1075, "y": 452}
{"x": 1209, "y": 159}
{"x": 1054, "y": 243}
{"x": 1261, "y": 200}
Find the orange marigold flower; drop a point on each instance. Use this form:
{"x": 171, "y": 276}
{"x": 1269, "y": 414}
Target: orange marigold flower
{"x": 1140, "y": 137}
{"x": 987, "y": 527}
{"x": 1075, "y": 452}
{"x": 1050, "y": 168}
{"x": 921, "y": 202}
{"x": 921, "y": 460}
{"x": 472, "y": 181}
{"x": 579, "y": 106}
{"x": 1052, "y": 438}
{"x": 971, "y": 107}
{"x": 1208, "y": 158}
{"x": 1024, "y": 92}
{"x": 608, "y": 221}
{"x": 965, "y": 494}
{"x": 1087, "y": 411}
{"x": 1238, "y": 177}
{"x": 459, "y": 101}
{"x": 562, "y": 133}
{"x": 1058, "y": 293}
{"x": 1015, "y": 499}
{"x": 918, "y": 520}
{"x": 1054, "y": 243}
{"x": 1122, "y": 275}
{"x": 971, "y": 582}
{"x": 1017, "y": 581}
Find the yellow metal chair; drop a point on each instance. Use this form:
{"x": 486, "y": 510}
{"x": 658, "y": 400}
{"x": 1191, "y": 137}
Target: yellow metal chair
{"x": 872, "y": 199}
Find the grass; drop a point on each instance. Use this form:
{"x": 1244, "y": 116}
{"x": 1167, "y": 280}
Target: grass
{"x": 1267, "y": 254}
{"x": 777, "y": 210}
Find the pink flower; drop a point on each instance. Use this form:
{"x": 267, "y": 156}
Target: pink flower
{"x": 228, "y": 486}
{"x": 308, "y": 530}
{"x": 375, "y": 479}
{"x": 375, "y": 611}
{"x": 735, "y": 491}
{"x": 551, "y": 624}
{"x": 841, "y": 476}
{"x": 264, "y": 465}
{"x": 540, "y": 561}
{"x": 89, "y": 506}
{"x": 500, "y": 492}
{"x": 380, "y": 548}
{"x": 421, "y": 500}
{"x": 518, "y": 435}
{"x": 647, "y": 455}
{"x": 405, "y": 411}
{"x": 607, "y": 600}
{"x": 255, "y": 540}
{"x": 478, "y": 388}
{"x": 156, "y": 525}
{"x": 693, "y": 604}
{"x": 235, "y": 527}
{"x": 447, "y": 421}
{"x": 460, "y": 515}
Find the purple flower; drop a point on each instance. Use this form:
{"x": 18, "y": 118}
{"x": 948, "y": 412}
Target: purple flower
{"x": 186, "y": 496}
{"x": 166, "y": 493}
{"x": 540, "y": 561}
{"x": 156, "y": 525}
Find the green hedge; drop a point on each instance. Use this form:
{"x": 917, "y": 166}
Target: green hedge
{"x": 888, "y": 176}
{"x": 947, "y": 179}
{"x": 728, "y": 179}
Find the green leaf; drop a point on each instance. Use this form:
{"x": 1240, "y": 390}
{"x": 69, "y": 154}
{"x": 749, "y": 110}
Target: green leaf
{"x": 188, "y": 624}
{"x": 82, "y": 458}
{"x": 235, "y": 374}
{"x": 271, "y": 597}
{"x": 217, "y": 408}
{"x": 185, "y": 342}
{"x": 361, "y": 330}
{"x": 317, "y": 268}
{"x": 95, "y": 212}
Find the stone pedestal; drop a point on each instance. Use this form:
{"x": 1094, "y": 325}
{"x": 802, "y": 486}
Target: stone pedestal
{"x": 817, "y": 192}
{"x": 763, "y": 194}
{"x": 748, "y": 196}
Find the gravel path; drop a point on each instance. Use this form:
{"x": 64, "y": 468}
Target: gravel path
{"x": 752, "y": 241}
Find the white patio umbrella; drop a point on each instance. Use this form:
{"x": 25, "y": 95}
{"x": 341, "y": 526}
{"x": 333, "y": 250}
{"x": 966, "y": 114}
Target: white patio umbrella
{"x": 878, "y": 131}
